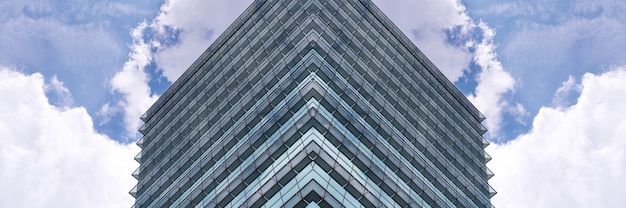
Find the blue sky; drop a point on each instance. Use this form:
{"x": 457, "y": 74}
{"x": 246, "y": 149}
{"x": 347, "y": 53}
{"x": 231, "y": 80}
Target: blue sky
{"x": 549, "y": 75}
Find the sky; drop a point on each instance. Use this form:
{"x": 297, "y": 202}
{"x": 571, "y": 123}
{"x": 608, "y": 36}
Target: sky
{"x": 549, "y": 75}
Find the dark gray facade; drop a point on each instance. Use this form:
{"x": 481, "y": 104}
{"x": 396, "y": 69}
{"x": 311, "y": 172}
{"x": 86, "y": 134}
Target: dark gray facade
{"x": 312, "y": 103}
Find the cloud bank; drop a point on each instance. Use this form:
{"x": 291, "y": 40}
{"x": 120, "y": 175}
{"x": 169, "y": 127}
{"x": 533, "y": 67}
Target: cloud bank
{"x": 52, "y": 156}
{"x": 574, "y": 156}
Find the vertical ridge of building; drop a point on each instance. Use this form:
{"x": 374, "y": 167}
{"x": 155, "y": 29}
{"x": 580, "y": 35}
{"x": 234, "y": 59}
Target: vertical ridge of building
{"x": 312, "y": 103}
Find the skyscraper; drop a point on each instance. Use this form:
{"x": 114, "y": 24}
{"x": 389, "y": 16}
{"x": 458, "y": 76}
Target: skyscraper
{"x": 312, "y": 103}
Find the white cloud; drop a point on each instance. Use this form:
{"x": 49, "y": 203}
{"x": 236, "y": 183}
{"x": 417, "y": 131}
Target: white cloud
{"x": 52, "y": 157}
{"x": 493, "y": 84}
{"x": 132, "y": 83}
{"x": 572, "y": 157}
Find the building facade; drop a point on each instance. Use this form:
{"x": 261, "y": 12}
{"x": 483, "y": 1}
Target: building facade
{"x": 312, "y": 103}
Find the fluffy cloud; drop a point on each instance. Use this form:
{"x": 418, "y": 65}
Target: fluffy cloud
{"x": 51, "y": 156}
{"x": 573, "y": 156}
{"x": 132, "y": 83}
{"x": 493, "y": 84}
